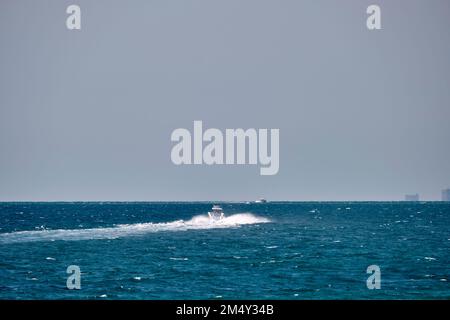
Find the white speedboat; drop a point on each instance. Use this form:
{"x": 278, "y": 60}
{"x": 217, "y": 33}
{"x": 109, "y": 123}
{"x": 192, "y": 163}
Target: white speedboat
{"x": 216, "y": 213}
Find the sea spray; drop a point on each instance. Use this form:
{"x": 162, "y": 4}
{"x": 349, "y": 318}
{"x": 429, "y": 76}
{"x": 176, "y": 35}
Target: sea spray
{"x": 124, "y": 230}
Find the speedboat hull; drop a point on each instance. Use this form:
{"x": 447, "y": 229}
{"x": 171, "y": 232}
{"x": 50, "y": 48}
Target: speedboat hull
{"x": 214, "y": 216}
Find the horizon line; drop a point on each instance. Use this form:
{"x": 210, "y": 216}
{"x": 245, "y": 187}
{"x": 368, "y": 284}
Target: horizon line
{"x": 203, "y": 201}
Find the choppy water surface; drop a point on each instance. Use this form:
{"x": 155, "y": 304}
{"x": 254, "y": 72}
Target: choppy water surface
{"x": 276, "y": 250}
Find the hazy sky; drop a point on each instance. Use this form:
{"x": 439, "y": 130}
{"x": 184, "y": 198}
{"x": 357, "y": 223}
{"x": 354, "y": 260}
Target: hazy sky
{"x": 87, "y": 115}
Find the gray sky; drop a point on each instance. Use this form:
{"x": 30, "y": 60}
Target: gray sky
{"x": 87, "y": 115}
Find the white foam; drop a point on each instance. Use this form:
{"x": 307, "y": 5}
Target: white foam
{"x": 125, "y": 230}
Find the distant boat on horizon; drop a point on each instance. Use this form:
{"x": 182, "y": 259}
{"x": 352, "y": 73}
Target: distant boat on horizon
{"x": 261, "y": 200}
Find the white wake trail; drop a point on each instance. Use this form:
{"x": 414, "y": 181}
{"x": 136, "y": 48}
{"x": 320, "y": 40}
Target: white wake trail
{"x": 125, "y": 230}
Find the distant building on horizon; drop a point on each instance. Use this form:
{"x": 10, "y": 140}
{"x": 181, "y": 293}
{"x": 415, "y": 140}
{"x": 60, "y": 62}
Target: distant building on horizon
{"x": 446, "y": 195}
{"x": 412, "y": 197}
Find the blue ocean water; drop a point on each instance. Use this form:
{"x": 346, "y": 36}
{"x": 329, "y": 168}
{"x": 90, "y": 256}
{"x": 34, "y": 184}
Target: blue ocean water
{"x": 275, "y": 250}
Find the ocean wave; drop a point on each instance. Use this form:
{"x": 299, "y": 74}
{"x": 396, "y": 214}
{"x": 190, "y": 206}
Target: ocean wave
{"x": 200, "y": 222}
